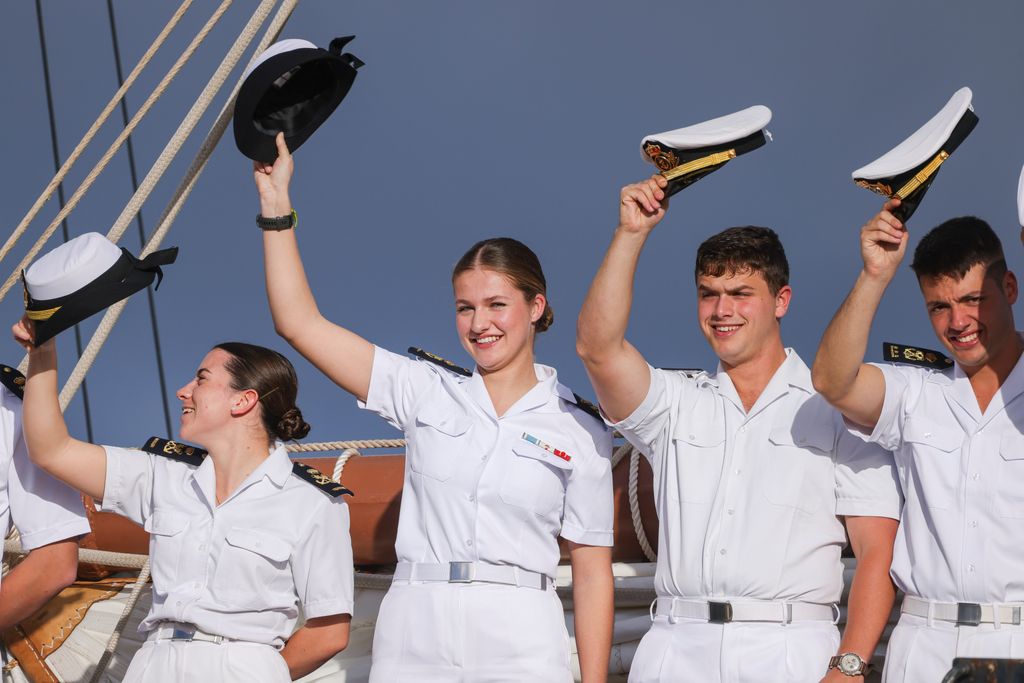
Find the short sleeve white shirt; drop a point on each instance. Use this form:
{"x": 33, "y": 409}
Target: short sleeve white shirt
{"x": 748, "y": 501}
{"x": 479, "y": 487}
{"x": 961, "y": 538}
{"x": 241, "y": 569}
{"x": 42, "y": 508}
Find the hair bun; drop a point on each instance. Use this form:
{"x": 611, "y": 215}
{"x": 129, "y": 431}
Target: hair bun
{"x": 291, "y": 426}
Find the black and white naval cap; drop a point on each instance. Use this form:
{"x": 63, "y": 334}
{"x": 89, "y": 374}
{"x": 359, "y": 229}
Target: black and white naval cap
{"x": 292, "y": 87}
{"x": 685, "y": 155}
{"x": 83, "y": 276}
{"x": 908, "y": 169}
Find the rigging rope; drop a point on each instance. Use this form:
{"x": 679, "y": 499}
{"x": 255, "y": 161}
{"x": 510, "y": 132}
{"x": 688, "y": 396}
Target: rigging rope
{"x": 114, "y": 146}
{"x": 130, "y": 149}
{"x": 60, "y": 188}
{"x": 191, "y": 176}
{"x": 91, "y": 133}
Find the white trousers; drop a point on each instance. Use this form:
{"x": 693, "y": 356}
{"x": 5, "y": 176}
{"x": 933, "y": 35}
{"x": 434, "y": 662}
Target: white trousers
{"x": 470, "y": 633}
{"x": 922, "y": 652}
{"x": 172, "y": 661}
{"x": 694, "y": 650}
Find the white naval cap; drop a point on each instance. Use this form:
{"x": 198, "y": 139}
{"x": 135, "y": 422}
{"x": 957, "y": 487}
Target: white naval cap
{"x": 907, "y": 170}
{"x": 685, "y": 155}
{"x": 83, "y": 276}
{"x": 292, "y": 87}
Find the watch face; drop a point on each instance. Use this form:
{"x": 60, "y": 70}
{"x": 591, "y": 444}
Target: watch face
{"x": 850, "y": 664}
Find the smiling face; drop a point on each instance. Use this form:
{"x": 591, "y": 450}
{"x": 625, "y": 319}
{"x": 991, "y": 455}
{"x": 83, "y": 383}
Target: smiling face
{"x": 494, "y": 320}
{"x": 207, "y": 400}
{"x": 739, "y": 315}
{"x": 973, "y": 316}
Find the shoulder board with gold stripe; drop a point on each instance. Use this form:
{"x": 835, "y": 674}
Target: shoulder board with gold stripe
{"x": 897, "y": 353}
{"x": 437, "y": 360}
{"x": 319, "y": 480}
{"x": 588, "y": 407}
{"x": 192, "y": 455}
{"x": 13, "y": 380}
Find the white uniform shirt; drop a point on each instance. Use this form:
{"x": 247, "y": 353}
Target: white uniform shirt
{"x": 747, "y": 502}
{"x": 476, "y": 487}
{"x": 241, "y": 569}
{"x": 43, "y": 509}
{"x": 961, "y": 538}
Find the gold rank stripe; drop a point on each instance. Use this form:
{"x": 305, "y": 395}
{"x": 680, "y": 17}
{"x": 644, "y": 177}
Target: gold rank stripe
{"x": 45, "y": 314}
{"x": 923, "y": 175}
{"x": 699, "y": 164}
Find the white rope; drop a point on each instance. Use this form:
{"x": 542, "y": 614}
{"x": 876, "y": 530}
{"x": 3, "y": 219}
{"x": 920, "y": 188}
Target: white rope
{"x": 114, "y": 147}
{"x": 112, "y": 314}
{"x": 634, "y": 505}
{"x": 91, "y": 133}
{"x": 339, "y": 464}
{"x": 126, "y": 613}
{"x": 359, "y": 444}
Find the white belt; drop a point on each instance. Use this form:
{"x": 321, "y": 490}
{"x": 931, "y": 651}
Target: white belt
{"x": 176, "y": 630}
{"x": 724, "y": 612}
{"x": 471, "y": 572}
{"x": 963, "y": 613}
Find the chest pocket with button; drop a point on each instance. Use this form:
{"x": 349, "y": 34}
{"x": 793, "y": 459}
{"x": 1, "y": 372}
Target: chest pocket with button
{"x": 1010, "y": 497}
{"x": 799, "y": 469}
{"x": 693, "y": 474}
{"x": 434, "y": 441}
{"x": 934, "y": 463}
{"x": 166, "y": 545}
{"x": 534, "y": 479}
{"x": 252, "y": 570}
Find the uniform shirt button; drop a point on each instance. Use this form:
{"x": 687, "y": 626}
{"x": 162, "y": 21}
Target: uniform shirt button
{"x": 970, "y": 567}
{"x": 738, "y": 471}
{"x": 730, "y": 511}
{"x": 723, "y": 551}
{"x": 974, "y": 524}
{"x": 976, "y": 476}
{"x": 469, "y": 542}
{"x": 202, "y": 547}
{"x": 472, "y": 498}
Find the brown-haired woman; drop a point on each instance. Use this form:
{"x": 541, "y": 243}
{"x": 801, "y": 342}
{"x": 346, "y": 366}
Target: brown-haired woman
{"x": 238, "y": 541}
{"x": 499, "y": 463}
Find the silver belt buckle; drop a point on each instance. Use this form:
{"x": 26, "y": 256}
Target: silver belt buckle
{"x": 184, "y": 632}
{"x": 968, "y": 614}
{"x": 460, "y": 572}
{"x": 719, "y": 612}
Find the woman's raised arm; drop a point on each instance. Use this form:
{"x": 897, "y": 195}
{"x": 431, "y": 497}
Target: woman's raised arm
{"x": 79, "y": 464}
{"x": 345, "y": 357}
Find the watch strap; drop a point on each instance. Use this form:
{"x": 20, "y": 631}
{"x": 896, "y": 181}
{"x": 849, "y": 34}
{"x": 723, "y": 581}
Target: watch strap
{"x": 279, "y": 222}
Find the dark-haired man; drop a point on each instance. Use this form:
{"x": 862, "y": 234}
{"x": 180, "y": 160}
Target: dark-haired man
{"x": 956, "y": 434}
{"x": 752, "y": 473}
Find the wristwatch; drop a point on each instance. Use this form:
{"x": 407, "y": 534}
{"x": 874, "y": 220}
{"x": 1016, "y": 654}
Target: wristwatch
{"x": 849, "y": 664}
{"x": 278, "y": 223}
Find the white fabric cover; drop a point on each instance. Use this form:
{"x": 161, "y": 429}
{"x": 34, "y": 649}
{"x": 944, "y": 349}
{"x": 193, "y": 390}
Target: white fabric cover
{"x": 724, "y": 129}
{"x": 276, "y": 49}
{"x": 71, "y": 266}
{"x": 923, "y": 144}
{"x": 1020, "y": 198}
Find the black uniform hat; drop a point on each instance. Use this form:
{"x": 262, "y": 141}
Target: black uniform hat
{"x": 907, "y": 170}
{"x": 686, "y": 155}
{"x": 291, "y": 88}
{"x": 82, "y": 277}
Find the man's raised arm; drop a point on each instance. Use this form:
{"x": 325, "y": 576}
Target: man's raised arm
{"x": 616, "y": 369}
{"x": 839, "y": 373}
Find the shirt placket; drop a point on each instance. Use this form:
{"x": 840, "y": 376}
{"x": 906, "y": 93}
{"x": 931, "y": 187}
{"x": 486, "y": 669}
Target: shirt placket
{"x": 488, "y": 452}
{"x": 721, "y": 541}
{"x": 975, "y": 499}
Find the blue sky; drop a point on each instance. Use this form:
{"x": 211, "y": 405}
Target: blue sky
{"x": 478, "y": 119}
